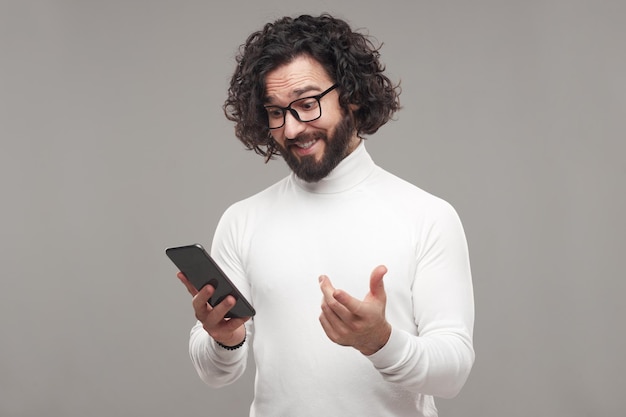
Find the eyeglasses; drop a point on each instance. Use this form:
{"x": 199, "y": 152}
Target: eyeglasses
{"x": 305, "y": 109}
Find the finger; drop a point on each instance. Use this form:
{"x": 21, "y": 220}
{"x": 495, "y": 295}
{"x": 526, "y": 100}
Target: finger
{"x": 377, "y": 287}
{"x": 330, "y": 293}
{"x": 328, "y": 326}
{"x": 190, "y": 288}
{"x": 339, "y": 302}
{"x": 350, "y": 304}
{"x": 328, "y": 298}
{"x": 217, "y": 324}
{"x": 234, "y": 323}
{"x": 200, "y": 302}
{"x": 327, "y": 287}
{"x": 221, "y": 309}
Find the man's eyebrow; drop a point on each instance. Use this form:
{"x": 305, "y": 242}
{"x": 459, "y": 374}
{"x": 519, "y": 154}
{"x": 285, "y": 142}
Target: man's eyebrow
{"x": 295, "y": 94}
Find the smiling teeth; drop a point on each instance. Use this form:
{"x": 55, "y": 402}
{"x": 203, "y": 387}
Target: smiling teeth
{"x": 305, "y": 145}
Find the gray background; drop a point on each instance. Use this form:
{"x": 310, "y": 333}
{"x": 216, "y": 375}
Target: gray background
{"x": 114, "y": 146}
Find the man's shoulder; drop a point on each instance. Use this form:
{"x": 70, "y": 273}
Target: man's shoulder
{"x": 401, "y": 192}
{"x": 402, "y": 187}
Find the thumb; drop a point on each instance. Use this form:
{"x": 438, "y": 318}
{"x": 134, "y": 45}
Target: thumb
{"x": 377, "y": 287}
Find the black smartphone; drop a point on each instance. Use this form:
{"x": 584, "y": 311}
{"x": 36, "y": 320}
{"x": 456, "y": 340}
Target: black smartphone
{"x": 201, "y": 270}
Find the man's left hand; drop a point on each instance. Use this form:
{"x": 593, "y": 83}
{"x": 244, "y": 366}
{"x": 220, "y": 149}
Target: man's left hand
{"x": 349, "y": 321}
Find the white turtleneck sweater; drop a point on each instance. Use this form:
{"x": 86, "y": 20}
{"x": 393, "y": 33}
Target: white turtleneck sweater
{"x": 274, "y": 246}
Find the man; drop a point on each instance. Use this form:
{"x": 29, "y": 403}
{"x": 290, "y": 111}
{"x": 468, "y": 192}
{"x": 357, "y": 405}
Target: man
{"x": 307, "y": 249}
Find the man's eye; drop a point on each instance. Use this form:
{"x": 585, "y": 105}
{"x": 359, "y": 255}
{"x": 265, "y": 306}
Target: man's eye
{"x": 274, "y": 113}
{"x": 307, "y": 104}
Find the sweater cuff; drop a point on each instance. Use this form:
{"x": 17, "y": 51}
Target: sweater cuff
{"x": 395, "y": 348}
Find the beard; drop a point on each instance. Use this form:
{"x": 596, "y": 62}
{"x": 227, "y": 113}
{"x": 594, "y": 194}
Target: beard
{"x": 336, "y": 149}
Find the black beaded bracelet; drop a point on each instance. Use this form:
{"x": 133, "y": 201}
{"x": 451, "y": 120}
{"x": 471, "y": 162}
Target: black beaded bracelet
{"x": 237, "y": 346}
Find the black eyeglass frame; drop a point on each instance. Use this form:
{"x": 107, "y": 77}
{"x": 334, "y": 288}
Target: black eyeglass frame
{"x": 294, "y": 112}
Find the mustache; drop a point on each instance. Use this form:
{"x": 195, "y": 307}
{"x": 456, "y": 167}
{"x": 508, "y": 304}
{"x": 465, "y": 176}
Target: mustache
{"x": 306, "y": 137}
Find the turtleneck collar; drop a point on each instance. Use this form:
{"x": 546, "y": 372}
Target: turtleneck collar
{"x": 351, "y": 171}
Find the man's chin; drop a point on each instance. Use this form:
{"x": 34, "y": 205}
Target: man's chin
{"x": 309, "y": 170}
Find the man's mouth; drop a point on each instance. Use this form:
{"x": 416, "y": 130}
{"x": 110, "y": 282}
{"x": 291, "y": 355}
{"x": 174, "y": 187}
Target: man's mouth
{"x": 305, "y": 145}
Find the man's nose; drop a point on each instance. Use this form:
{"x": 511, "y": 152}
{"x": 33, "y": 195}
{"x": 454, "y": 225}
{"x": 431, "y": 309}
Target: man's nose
{"x": 293, "y": 126}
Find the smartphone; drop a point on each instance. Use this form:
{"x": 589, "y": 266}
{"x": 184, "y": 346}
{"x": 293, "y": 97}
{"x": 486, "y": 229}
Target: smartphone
{"x": 201, "y": 270}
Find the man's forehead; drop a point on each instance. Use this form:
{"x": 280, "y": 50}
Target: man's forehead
{"x": 292, "y": 94}
{"x": 301, "y": 75}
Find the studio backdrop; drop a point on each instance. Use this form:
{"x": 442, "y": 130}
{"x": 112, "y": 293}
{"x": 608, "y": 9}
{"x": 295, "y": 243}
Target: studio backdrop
{"x": 113, "y": 146}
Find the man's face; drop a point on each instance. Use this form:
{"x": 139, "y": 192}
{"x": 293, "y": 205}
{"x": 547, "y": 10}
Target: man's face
{"x": 311, "y": 149}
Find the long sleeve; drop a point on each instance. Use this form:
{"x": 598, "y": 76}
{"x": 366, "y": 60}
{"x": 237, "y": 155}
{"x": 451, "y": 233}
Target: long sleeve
{"x": 215, "y": 365}
{"x": 438, "y": 360}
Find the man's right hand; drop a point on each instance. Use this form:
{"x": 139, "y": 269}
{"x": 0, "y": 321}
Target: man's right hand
{"x": 227, "y": 331}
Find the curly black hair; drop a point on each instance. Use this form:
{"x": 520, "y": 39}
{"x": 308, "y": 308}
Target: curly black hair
{"x": 349, "y": 57}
